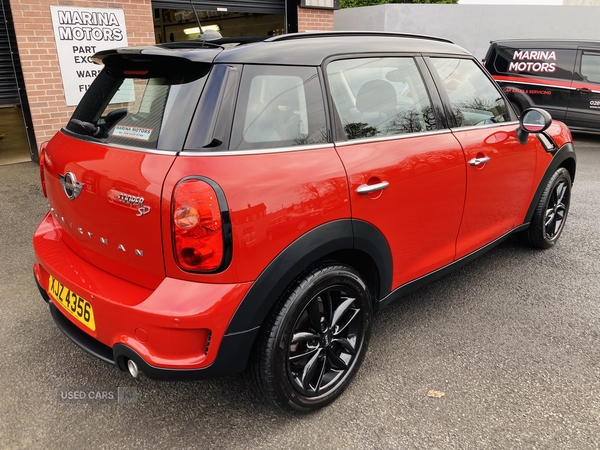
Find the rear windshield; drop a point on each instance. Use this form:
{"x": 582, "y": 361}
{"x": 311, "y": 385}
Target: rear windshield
{"x": 137, "y": 108}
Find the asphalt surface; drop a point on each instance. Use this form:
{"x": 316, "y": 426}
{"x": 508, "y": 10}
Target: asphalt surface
{"x": 512, "y": 340}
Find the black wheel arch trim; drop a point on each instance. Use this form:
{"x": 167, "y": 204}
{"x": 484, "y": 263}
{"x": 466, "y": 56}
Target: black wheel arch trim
{"x": 564, "y": 157}
{"x": 339, "y": 235}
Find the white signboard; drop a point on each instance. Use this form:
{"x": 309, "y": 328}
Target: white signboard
{"x": 79, "y": 33}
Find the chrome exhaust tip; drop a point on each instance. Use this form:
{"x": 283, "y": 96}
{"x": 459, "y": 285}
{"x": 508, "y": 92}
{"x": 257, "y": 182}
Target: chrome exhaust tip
{"x": 134, "y": 371}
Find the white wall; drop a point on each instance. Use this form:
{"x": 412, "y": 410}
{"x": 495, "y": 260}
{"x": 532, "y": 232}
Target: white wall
{"x": 474, "y": 26}
{"x": 582, "y": 2}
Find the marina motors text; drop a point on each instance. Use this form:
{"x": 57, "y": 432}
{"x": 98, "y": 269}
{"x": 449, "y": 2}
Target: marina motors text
{"x": 531, "y": 61}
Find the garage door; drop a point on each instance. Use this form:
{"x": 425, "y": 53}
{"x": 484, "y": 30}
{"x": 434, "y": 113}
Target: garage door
{"x": 246, "y": 6}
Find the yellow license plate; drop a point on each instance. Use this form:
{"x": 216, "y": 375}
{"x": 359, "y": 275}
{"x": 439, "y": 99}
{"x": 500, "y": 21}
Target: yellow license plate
{"x": 78, "y": 307}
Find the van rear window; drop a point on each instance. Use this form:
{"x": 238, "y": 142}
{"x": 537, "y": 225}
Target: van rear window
{"x": 134, "y": 107}
{"x": 537, "y": 62}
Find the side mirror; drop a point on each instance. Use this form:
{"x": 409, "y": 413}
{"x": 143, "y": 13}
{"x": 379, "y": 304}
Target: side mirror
{"x": 532, "y": 120}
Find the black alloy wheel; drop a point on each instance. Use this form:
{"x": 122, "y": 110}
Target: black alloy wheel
{"x": 324, "y": 341}
{"x": 314, "y": 345}
{"x": 550, "y": 215}
{"x": 556, "y": 211}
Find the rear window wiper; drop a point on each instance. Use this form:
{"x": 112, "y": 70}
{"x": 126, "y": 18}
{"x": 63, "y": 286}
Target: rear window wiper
{"x": 88, "y": 127}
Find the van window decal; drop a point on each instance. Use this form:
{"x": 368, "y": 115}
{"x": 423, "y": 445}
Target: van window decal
{"x": 513, "y": 90}
{"x": 533, "y": 61}
{"x": 535, "y": 55}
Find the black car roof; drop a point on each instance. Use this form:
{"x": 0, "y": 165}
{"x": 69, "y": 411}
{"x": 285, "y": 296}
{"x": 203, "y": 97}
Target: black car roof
{"x": 546, "y": 43}
{"x": 292, "y": 49}
{"x": 312, "y": 49}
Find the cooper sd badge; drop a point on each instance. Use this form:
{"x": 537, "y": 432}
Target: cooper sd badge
{"x": 134, "y": 202}
{"x": 70, "y": 185}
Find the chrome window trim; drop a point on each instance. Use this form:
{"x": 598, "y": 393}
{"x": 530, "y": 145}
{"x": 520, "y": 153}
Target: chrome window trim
{"x": 121, "y": 146}
{"x": 483, "y": 127}
{"x": 295, "y": 148}
{"x": 391, "y": 138}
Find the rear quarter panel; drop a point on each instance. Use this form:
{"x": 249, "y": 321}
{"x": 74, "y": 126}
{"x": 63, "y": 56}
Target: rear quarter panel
{"x": 273, "y": 199}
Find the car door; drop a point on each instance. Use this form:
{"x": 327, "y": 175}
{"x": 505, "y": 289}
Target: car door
{"x": 584, "y": 101}
{"x": 406, "y": 176}
{"x": 500, "y": 170}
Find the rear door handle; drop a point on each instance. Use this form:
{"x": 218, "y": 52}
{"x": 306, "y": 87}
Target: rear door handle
{"x": 367, "y": 188}
{"x": 479, "y": 161}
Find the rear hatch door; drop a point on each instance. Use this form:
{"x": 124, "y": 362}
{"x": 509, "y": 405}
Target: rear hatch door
{"x": 105, "y": 170}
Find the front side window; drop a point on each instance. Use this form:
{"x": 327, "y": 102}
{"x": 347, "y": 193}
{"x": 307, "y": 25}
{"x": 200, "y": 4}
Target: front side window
{"x": 380, "y": 97}
{"x": 278, "y": 106}
{"x": 475, "y": 100}
{"x": 590, "y": 66}
{"x": 135, "y": 107}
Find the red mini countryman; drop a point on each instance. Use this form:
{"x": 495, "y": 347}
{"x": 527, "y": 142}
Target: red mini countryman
{"x": 215, "y": 208}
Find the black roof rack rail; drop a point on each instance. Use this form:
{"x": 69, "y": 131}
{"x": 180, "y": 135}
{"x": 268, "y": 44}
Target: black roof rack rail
{"x": 192, "y": 43}
{"x": 202, "y": 43}
{"x": 574, "y": 41}
{"x": 310, "y": 34}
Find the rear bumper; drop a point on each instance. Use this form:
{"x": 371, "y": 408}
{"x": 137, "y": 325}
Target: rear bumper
{"x": 176, "y": 331}
{"x": 232, "y": 356}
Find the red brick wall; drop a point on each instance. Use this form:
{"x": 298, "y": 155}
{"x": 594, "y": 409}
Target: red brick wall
{"x": 314, "y": 20}
{"x": 39, "y": 59}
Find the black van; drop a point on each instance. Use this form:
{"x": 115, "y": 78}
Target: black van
{"x": 560, "y": 76}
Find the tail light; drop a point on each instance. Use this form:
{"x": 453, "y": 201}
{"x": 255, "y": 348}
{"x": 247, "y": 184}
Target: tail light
{"x": 42, "y": 162}
{"x": 200, "y": 226}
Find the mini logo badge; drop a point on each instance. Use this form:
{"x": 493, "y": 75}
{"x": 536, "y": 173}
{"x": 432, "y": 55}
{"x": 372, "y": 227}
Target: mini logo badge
{"x": 70, "y": 185}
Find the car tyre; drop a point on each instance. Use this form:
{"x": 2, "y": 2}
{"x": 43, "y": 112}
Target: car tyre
{"x": 316, "y": 339}
{"x": 550, "y": 213}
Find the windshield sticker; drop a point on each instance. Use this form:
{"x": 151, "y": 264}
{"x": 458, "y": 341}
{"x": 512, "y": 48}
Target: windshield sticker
{"x": 142, "y": 134}
{"x": 533, "y": 61}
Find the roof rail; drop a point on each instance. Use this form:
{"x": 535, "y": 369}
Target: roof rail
{"x": 220, "y": 42}
{"x": 315, "y": 34}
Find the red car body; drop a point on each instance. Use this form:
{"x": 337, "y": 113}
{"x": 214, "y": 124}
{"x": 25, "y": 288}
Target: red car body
{"x": 111, "y": 248}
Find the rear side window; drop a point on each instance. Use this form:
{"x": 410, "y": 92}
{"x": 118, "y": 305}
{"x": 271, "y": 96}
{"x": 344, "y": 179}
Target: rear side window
{"x": 474, "y": 99}
{"x": 278, "y": 106}
{"x": 590, "y": 66}
{"x": 536, "y": 62}
{"x": 135, "y": 107}
{"x": 380, "y": 97}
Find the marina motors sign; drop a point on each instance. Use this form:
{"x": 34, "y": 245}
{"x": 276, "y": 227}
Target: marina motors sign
{"x": 533, "y": 61}
{"x": 79, "y": 33}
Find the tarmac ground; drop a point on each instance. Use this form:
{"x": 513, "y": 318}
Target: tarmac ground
{"x": 512, "y": 340}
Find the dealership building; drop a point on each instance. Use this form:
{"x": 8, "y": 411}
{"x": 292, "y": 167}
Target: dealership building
{"x": 46, "y": 46}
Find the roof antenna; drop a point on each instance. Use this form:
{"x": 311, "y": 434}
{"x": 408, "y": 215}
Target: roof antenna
{"x": 209, "y": 35}
{"x": 196, "y": 16}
